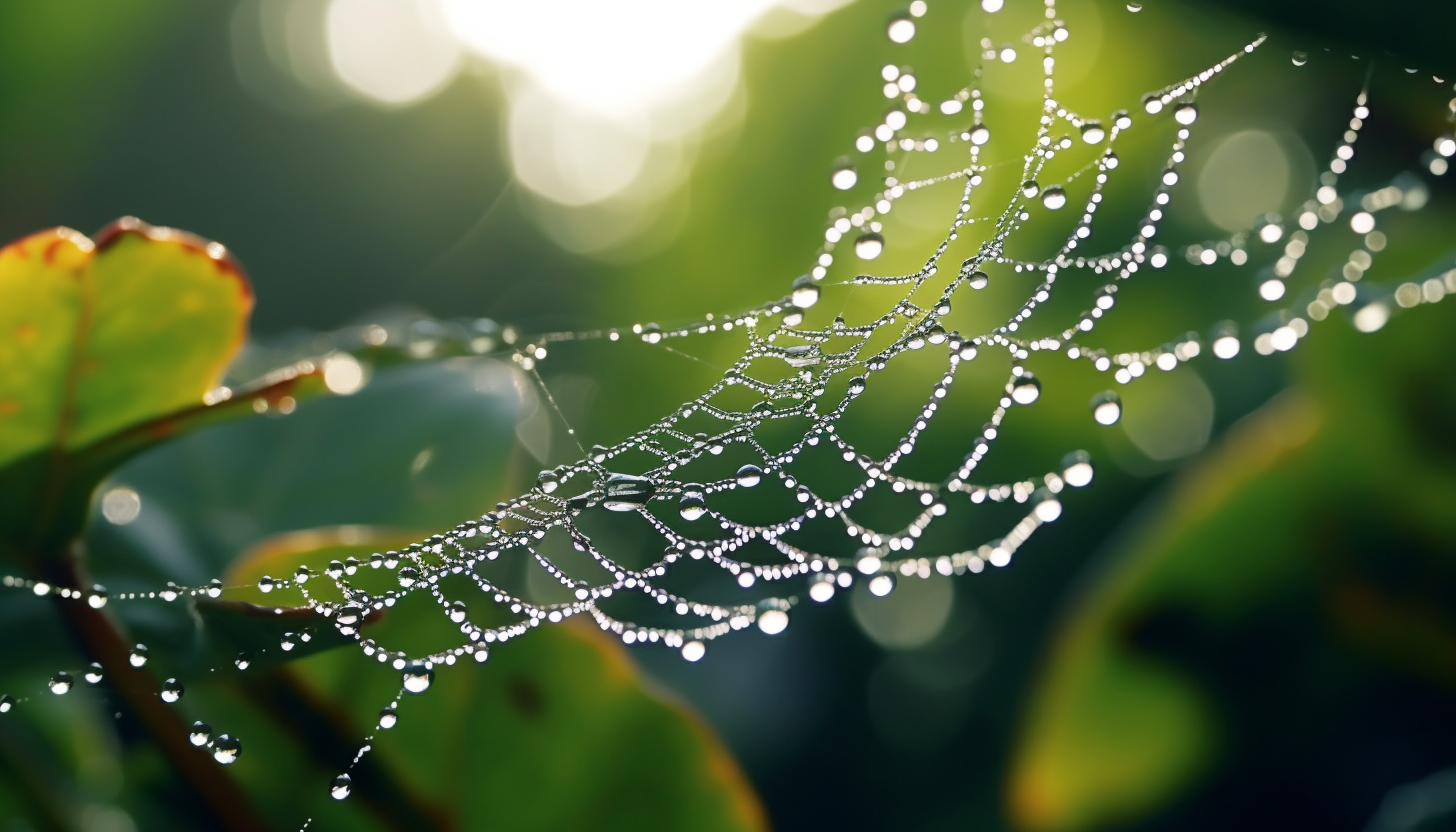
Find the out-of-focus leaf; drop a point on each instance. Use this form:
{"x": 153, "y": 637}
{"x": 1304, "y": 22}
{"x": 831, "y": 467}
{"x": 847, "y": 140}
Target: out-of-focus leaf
{"x": 1116, "y": 729}
{"x": 110, "y": 345}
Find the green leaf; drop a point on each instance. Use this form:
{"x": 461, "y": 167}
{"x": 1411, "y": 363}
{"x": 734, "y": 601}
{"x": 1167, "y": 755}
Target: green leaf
{"x": 103, "y": 337}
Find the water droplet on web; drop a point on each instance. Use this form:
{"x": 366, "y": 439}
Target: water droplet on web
{"x": 1122, "y": 119}
{"x": 805, "y": 292}
{"x": 1077, "y": 468}
{"x": 302, "y": 574}
{"x": 773, "y": 621}
{"x": 978, "y": 280}
{"x": 171, "y": 691}
{"x": 388, "y": 718}
{"x": 822, "y": 589}
{"x": 693, "y": 651}
{"x": 242, "y": 661}
{"x": 1152, "y": 104}
{"x": 458, "y": 612}
{"x": 869, "y": 246}
{"x": 1107, "y": 408}
{"x": 1047, "y": 507}
{"x": 547, "y": 481}
{"x": 625, "y": 492}
{"x": 138, "y": 656}
{"x": 1186, "y": 113}
{"x": 980, "y": 135}
{"x": 749, "y": 475}
{"x": 901, "y": 28}
{"x": 1299, "y": 58}
{"x": 94, "y": 674}
{"x": 226, "y": 749}
{"x": 1093, "y": 132}
{"x": 882, "y": 585}
{"x": 857, "y": 385}
{"x": 1025, "y": 389}
{"x": 265, "y": 584}
{"x": 1054, "y": 198}
{"x": 692, "y": 505}
{"x": 288, "y": 641}
{"x": 200, "y": 734}
{"x": 1030, "y": 189}
{"x": 341, "y": 786}
{"x": 6, "y": 703}
{"x": 417, "y": 678}
{"x": 60, "y": 683}
{"x": 1134, "y": 7}
{"x": 408, "y": 575}
{"x": 844, "y": 177}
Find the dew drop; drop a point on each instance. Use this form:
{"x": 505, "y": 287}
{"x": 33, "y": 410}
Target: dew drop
{"x": 1030, "y": 189}
{"x": 226, "y": 749}
{"x": 288, "y": 641}
{"x": 1134, "y": 7}
{"x": 171, "y": 691}
{"x": 1025, "y": 389}
{"x": 339, "y": 789}
{"x": 857, "y": 385}
{"x": 547, "y": 481}
{"x": 901, "y": 28}
{"x": 978, "y": 280}
{"x": 869, "y": 246}
{"x": 1077, "y": 468}
{"x": 773, "y": 622}
{"x": 138, "y": 657}
{"x": 94, "y": 674}
{"x": 882, "y": 585}
{"x": 408, "y": 575}
{"x": 458, "y": 612}
{"x": 6, "y": 703}
{"x": 844, "y": 177}
{"x": 1122, "y": 119}
{"x": 805, "y": 292}
{"x": 417, "y": 678}
{"x": 1186, "y": 113}
{"x": 625, "y": 492}
{"x": 1107, "y": 408}
{"x": 1054, "y": 198}
{"x": 242, "y": 661}
{"x": 1093, "y": 132}
{"x": 60, "y": 683}
{"x": 265, "y": 584}
{"x": 1152, "y": 104}
{"x": 302, "y": 574}
{"x": 388, "y": 718}
{"x": 822, "y": 590}
{"x": 692, "y": 506}
{"x": 749, "y": 475}
{"x": 1048, "y": 507}
{"x": 1299, "y": 58}
{"x": 980, "y": 135}
{"x": 200, "y": 734}
{"x": 693, "y": 651}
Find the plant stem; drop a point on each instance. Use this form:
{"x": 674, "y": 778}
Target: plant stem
{"x": 223, "y": 803}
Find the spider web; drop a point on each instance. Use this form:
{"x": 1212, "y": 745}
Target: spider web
{"x": 755, "y": 489}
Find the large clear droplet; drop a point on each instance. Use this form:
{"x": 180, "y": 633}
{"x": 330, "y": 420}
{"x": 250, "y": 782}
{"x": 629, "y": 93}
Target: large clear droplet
{"x": 266, "y": 584}
{"x": 978, "y": 280}
{"x": 226, "y": 749}
{"x": 1122, "y": 119}
{"x": 980, "y": 135}
{"x": 408, "y": 575}
{"x": 171, "y": 691}
{"x": 1054, "y": 198}
{"x": 341, "y": 786}
{"x": 822, "y": 589}
{"x": 1093, "y": 132}
{"x": 94, "y": 674}
{"x": 547, "y": 481}
{"x": 749, "y": 476}
{"x": 417, "y": 678}
{"x": 805, "y": 292}
{"x": 882, "y": 585}
{"x": 857, "y": 385}
{"x": 1152, "y": 103}
{"x": 844, "y": 177}
{"x": 1300, "y": 58}
{"x": 869, "y": 246}
{"x": 6, "y": 703}
{"x": 1107, "y": 408}
{"x": 60, "y": 683}
{"x": 694, "y": 650}
{"x": 1025, "y": 389}
{"x": 139, "y": 655}
{"x": 1047, "y": 506}
{"x": 1030, "y": 189}
{"x": 773, "y": 621}
{"x": 1077, "y": 468}
{"x": 625, "y": 492}
{"x": 692, "y": 506}
{"x": 200, "y": 734}
{"x": 901, "y": 28}
{"x": 388, "y": 718}
{"x": 1134, "y": 7}
{"x": 1186, "y": 114}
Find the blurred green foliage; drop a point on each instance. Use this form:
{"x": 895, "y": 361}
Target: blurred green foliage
{"x": 1260, "y": 637}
